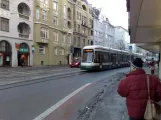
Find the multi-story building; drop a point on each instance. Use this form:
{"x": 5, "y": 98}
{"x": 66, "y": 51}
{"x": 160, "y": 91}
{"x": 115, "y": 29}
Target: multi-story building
{"x": 16, "y": 32}
{"x": 99, "y": 29}
{"x": 53, "y": 23}
{"x": 109, "y": 34}
{"x": 83, "y": 26}
{"x": 104, "y": 32}
{"x": 120, "y": 37}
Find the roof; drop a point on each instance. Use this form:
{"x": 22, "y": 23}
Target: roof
{"x": 107, "y": 48}
{"x": 82, "y": 0}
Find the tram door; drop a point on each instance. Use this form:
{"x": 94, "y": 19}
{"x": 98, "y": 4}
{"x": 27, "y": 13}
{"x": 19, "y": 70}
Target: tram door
{"x": 100, "y": 60}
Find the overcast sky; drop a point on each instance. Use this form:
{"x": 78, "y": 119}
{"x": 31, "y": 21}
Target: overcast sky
{"x": 115, "y": 10}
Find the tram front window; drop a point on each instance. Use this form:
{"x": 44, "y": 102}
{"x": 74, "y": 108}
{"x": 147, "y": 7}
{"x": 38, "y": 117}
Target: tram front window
{"x": 87, "y": 56}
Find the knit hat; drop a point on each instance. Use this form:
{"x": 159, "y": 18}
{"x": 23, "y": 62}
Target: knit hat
{"x": 137, "y": 63}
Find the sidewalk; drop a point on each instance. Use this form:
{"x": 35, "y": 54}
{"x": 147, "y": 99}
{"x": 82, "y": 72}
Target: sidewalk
{"x": 148, "y": 71}
{"x": 111, "y": 106}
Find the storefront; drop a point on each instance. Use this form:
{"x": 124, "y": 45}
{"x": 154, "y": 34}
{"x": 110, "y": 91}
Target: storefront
{"x": 5, "y": 53}
{"x": 23, "y": 53}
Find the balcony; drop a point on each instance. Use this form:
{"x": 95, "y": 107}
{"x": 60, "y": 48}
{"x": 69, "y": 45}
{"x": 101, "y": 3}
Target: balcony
{"x": 84, "y": 23}
{"x": 24, "y": 30}
{"x": 42, "y": 41}
{"x": 23, "y": 16}
{"x": 23, "y": 35}
{"x": 24, "y": 11}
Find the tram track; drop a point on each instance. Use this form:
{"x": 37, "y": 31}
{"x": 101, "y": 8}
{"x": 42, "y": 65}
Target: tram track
{"x": 13, "y": 84}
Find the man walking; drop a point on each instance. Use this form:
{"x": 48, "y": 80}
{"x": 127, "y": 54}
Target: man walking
{"x": 134, "y": 88}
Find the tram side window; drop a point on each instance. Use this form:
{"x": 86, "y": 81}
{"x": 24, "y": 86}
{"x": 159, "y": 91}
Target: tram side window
{"x": 106, "y": 57}
{"x": 97, "y": 57}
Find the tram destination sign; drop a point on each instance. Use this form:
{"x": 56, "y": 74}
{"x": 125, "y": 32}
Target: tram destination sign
{"x": 88, "y": 50}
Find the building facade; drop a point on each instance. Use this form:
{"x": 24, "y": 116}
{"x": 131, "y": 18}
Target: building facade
{"x": 120, "y": 38}
{"x": 53, "y": 31}
{"x": 83, "y": 26}
{"x": 109, "y": 34}
{"x": 104, "y": 32}
{"x": 16, "y": 32}
{"x": 99, "y": 31}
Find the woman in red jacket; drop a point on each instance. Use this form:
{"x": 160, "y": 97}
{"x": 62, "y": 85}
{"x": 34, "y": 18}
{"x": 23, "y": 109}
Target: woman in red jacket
{"x": 134, "y": 88}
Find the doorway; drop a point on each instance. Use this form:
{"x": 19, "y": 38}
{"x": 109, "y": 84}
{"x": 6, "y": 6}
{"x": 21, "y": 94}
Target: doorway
{"x": 23, "y": 54}
{"x": 5, "y": 53}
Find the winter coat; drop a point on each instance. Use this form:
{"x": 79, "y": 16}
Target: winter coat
{"x": 134, "y": 88}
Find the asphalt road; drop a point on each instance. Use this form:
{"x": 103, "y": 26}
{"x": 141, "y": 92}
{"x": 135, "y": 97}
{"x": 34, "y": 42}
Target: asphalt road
{"x": 29, "y": 101}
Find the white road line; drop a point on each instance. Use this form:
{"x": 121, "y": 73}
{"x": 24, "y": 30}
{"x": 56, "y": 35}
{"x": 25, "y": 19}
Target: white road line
{"x": 58, "y": 104}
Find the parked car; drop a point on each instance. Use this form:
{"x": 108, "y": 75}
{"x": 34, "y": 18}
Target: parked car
{"x": 75, "y": 63}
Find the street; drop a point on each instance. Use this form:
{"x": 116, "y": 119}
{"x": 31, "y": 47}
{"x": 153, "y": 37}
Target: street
{"x": 30, "y": 101}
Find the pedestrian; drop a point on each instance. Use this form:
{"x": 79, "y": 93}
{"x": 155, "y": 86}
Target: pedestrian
{"x": 134, "y": 88}
{"x": 152, "y": 65}
{"x": 22, "y": 61}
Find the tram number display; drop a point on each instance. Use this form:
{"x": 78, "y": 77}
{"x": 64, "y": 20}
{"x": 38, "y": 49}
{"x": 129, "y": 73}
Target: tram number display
{"x": 88, "y": 50}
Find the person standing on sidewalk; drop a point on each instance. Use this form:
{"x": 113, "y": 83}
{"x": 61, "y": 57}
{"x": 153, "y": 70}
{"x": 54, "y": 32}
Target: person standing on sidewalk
{"x": 152, "y": 65}
{"x": 134, "y": 88}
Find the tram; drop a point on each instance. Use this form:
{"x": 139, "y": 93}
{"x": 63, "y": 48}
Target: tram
{"x": 97, "y": 58}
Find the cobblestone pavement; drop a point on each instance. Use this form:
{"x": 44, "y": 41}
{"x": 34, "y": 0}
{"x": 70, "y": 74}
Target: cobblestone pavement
{"x": 9, "y": 75}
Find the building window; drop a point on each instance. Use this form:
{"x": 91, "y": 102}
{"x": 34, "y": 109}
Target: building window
{"x": 44, "y": 33}
{"x": 88, "y": 42}
{"x": 90, "y": 11}
{"x": 4, "y": 24}
{"x": 56, "y": 51}
{"x": 44, "y": 15}
{"x": 64, "y": 38}
{"x": 91, "y": 32}
{"x": 61, "y": 51}
{"x": 78, "y": 28}
{"x": 41, "y": 49}
{"x": 69, "y": 39}
{"x": 84, "y": 7}
{"x": 78, "y": 15}
{"x": 84, "y": 42}
{"x": 74, "y": 41}
{"x": 65, "y": 23}
{"x": 64, "y": 9}
{"x": 83, "y": 31}
{"x": 55, "y": 21}
{"x": 79, "y": 41}
{"x": 5, "y": 4}
{"x": 37, "y": 14}
{"x": 55, "y": 36}
{"x": 55, "y": 5}
{"x": 95, "y": 33}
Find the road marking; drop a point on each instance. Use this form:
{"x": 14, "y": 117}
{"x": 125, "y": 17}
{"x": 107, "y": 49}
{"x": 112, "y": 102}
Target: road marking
{"x": 58, "y": 104}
